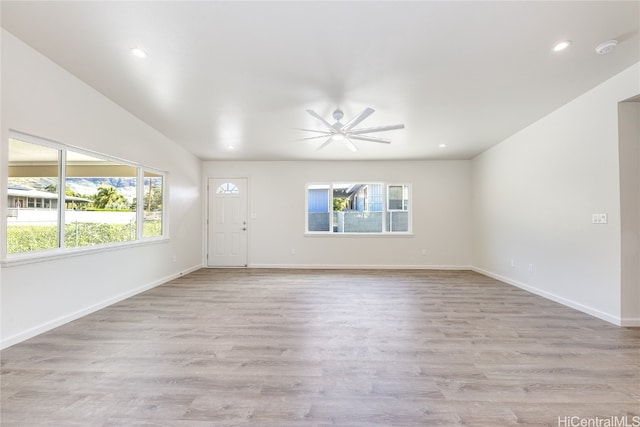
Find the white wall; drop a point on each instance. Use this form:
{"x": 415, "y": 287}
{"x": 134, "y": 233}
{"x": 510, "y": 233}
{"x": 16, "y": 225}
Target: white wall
{"x": 629, "y": 134}
{"x": 533, "y": 196}
{"x": 40, "y": 98}
{"x": 441, "y": 216}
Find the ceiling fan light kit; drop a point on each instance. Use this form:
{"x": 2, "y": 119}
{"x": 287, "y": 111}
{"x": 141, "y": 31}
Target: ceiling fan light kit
{"x": 347, "y": 132}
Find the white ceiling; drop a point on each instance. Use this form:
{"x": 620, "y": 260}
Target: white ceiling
{"x": 466, "y": 74}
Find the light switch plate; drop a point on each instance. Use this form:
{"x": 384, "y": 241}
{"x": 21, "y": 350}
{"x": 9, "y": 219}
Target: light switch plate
{"x": 599, "y": 218}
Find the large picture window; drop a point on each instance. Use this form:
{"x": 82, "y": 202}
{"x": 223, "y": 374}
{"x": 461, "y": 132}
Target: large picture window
{"x": 63, "y": 197}
{"x": 352, "y": 207}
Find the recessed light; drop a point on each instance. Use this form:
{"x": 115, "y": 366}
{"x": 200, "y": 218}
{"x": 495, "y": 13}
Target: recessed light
{"x": 230, "y": 147}
{"x": 138, "y": 52}
{"x": 562, "y": 45}
{"x": 442, "y": 145}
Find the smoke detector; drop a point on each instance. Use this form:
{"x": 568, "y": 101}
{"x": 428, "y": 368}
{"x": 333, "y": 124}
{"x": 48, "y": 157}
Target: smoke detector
{"x": 606, "y": 47}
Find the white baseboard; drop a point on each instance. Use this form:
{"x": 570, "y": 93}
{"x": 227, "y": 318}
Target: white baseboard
{"x": 361, "y": 267}
{"x": 47, "y": 326}
{"x": 630, "y": 322}
{"x": 561, "y": 300}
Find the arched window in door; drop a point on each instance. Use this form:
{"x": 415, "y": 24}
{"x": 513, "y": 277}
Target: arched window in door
{"x": 227, "y": 188}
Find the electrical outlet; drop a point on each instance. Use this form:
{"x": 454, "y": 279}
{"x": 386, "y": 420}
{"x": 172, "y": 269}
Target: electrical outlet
{"x": 599, "y": 218}
{"x": 293, "y": 251}
{"x": 512, "y": 263}
{"x": 424, "y": 252}
{"x": 531, "y": 268}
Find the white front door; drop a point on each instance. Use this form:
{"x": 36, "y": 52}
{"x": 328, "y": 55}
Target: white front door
{"x": 227, "y": 219}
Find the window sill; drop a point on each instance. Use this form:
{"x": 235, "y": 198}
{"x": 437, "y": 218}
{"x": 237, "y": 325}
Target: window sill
{"x": 54, "y": 254}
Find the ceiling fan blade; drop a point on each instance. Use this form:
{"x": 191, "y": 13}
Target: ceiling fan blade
{"x": 357, "y": 119}
{"x": 370, "y": 139}
{"x": 324, "y": 144}
{"x": 325, "y": 132}
{"x": 350, "y": 145}
{"x": 323, "y": 121}
{"x": 375, "y": 129}
{"x": 311, "y": 137}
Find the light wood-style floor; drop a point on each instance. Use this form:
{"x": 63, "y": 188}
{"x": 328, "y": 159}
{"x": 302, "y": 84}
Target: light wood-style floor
{"x": 325, "y": 348}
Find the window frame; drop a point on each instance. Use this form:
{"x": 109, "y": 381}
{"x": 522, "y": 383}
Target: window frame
{"x": 385, "y": 209}
{"x": 61, "y": 251}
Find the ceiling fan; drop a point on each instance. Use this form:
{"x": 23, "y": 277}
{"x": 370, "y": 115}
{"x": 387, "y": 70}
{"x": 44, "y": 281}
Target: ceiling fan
{"x": 346, "y": 132}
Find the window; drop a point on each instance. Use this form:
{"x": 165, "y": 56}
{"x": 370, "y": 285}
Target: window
{"x": 318, "y": 210}
{"x": 227, "y": 188}
{"x": 32, "y": 209}
{"x": 152, "y": 209}
{"x": 63, "y": 197}
{"x": 102, "y": 208}
{"x": 397, "y": 218}
{"x": 352, "y": 207}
